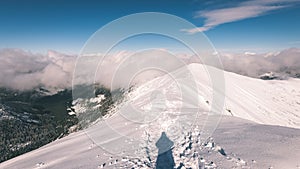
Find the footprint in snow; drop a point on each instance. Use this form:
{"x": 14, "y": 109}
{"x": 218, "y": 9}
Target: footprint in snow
{"x": 40, "y": 164}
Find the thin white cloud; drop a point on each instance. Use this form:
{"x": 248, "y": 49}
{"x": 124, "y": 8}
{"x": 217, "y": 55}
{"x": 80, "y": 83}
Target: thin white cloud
{"x": 245, "y": 10}
{"x": 195, "y": 30}
{"x": 294, "y": 42}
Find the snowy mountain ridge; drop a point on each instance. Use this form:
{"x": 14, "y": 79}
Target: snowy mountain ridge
{"x": 275, "y": 102}
{"x": 129, "y": 137}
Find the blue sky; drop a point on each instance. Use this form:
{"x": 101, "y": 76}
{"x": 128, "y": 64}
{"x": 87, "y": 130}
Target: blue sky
{"x": 257, "y": 25}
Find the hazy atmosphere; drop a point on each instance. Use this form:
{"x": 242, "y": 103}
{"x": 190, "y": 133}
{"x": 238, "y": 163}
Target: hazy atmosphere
{"x": 181, "y": 84}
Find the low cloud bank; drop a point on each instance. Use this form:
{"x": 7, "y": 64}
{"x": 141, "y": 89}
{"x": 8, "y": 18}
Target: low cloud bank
{"x": 284, "y": 64}
{"x": 23, "y": 70}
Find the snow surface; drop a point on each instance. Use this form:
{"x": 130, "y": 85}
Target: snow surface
{"x": 128, "y": 136}
{"x": 273, "y": 102}
{"x": 246, "y": 145}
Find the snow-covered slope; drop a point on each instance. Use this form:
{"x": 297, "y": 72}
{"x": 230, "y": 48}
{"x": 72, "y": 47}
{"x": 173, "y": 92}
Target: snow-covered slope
{"x": 237, "y": 144}
{"x": 167, "y": 119}
{"x": 273, "y": 102}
